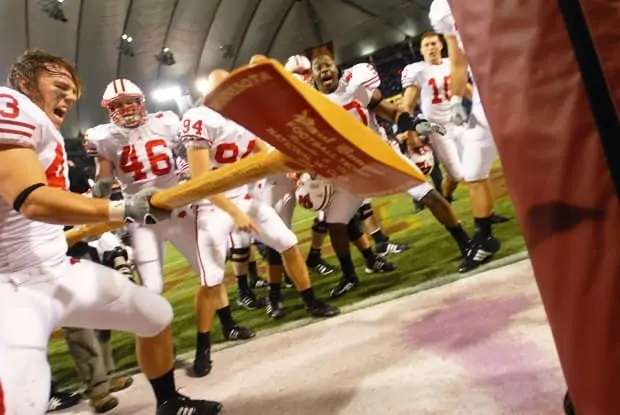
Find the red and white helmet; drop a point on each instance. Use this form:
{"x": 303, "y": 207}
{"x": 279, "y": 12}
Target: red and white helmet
{"x": 124, "y": 101}
{"x": 313, "y": 194}
{"x": 300, "y": 67}
{"x": 423, "y": 158}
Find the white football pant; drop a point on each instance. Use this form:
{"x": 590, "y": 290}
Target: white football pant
{"x": 215, "y": 227}
{"x": 479, "y": 151}
{"x": 149, "y": 246}
{"x": 449, "y": 151}
{"x": 69, "y": 294}
{"x": 279, "y": 193}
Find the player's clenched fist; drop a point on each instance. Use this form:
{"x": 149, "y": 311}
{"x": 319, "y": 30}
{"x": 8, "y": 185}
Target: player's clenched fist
{"x": 138, "y": 208}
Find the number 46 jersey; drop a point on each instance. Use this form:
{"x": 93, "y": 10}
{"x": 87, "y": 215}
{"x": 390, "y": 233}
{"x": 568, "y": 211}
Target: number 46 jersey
{"x": 142, "y": 156}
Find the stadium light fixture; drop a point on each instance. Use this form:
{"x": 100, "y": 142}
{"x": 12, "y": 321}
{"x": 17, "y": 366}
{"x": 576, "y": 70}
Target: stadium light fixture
{"x": 202, "y": 86}
{"x": 169, "y": 93}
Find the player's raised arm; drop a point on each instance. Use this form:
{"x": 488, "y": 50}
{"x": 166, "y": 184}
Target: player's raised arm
{"x": 411, "y": 94}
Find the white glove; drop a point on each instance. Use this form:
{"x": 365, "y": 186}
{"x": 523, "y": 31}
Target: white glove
{"x": 138, "y": 208}
{"x": 102, "y": 189}
{"x": 459, "y": 113}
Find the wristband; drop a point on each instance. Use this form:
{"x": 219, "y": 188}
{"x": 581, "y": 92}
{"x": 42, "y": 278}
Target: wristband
{"x": 116, "y": 211}
{"x": 405, "y": 122}
{"x": 456, "y": 100}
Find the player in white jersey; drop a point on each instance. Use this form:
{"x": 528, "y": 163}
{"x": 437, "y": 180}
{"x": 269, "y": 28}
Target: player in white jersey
{"x": 428, "y": 82}
{"x": 38, "y": 282}
{"x": 279, "y": 189}
{"x": 212, "y": 142}
{"x": 357, "y": 91}
{"x": 478, "y": 148}
{"x": 137, "y": 149}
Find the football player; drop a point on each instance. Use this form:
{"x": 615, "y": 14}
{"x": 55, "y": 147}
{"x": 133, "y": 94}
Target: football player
{"x": 478, "y": 148}
{"x": 357, "y": 91}
{"x": 38, "y": 282}
{"x": 136, "y": 148}
{"x": 212, "y": 142}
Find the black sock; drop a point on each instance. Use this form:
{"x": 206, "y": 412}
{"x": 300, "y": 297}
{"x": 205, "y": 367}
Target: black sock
{"x": 308, "y": 297}
{"x": 483, "y": 227}
{"x": 379, "y": 237}
{"x": 459, "y": 235}
{"x": 369, "y": 255}
{"x": 314, "y": 256}
{"x": 203, "y": 342}
{"x": 242, "y": 282}
{"x": 346, "y": 263}
{"x": 253, "y": 270}
{"x": 274, "y": 292}
{"x": 226, "y": 318}
{"x": 164, "y": 387}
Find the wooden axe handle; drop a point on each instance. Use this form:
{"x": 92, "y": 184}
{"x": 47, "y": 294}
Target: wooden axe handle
{"x": 244, "y": 171}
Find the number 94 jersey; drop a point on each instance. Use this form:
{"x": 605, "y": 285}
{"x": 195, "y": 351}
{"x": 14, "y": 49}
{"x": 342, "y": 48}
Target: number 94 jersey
{"x": 226, "y": 140}
{"x": 142, "y": 156}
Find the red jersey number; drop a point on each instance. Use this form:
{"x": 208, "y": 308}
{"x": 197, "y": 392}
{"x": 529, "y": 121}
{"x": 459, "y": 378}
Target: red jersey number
{"x": 227, "y": 153}
{"x": 55, "y": 173}
{"x": 356, "y": 106}
{"x": 159, "y": 162}
{"x": 437, "y": 97}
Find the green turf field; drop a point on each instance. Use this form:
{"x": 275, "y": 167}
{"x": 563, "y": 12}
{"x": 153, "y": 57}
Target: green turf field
{"x": 433, "y": 254}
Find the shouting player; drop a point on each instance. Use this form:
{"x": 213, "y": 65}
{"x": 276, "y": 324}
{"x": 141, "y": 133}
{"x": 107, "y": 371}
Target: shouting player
{"x": 357, "y": 91}
{"x": 479, "y": 152}
{"x": 136, "y": 148}
{"x": 39, "y": 286}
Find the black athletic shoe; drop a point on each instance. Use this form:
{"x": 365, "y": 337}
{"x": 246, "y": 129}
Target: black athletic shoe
{"x": 181, "y": 405}
{"x": 322, "y": 309}
{"x": 321, "y": 267}
{"x": 380, "y": 265}
{"x": 346, "y": 284}
{"x": 274, "y": 309}
{"x": 202, "y": 364}
{"x": 237, "y": 332}
{"x": 63, "y": 400}
{"x": 480, "y": 252}
{"x": 248, "y": 300}
{"x": 384, "y": 248}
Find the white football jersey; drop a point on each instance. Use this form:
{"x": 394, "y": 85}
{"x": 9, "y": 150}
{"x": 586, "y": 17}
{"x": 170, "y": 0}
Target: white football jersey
{"x": 433, "y": 82}
{"x": 25, "y": 243}
{"x": 226, "y": 140}
{"x": 355, "y": 89}
{"x": 142, "y": 156}
{"x": 443, "y": 22}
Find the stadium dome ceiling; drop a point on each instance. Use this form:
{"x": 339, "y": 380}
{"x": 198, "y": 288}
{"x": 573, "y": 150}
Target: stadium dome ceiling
{"x": 202, "y": 35}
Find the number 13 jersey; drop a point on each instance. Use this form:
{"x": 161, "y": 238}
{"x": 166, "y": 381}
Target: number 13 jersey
{"x": 142, "y": 156}
{"x": 433, "y": 82}
{"x": 226, "y": 141}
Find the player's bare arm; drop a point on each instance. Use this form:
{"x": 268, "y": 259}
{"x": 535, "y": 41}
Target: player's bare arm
{"x": 410, "y": 99}
{"x": 403, "y": 119}
{"x": 199, "y": 164}
{"x": 104, "y": 178}
{"x": 458, "y": 67}
{"x": 21, "y": 170}
{"x": 469, "y": 91}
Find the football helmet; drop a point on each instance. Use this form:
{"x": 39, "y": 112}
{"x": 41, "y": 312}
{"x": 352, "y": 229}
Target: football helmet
{"x": 423, "y": 158}
{"x": 313, "y": 194}
{"x": 301, "y": 68}
{"x": 124, "y": 101}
